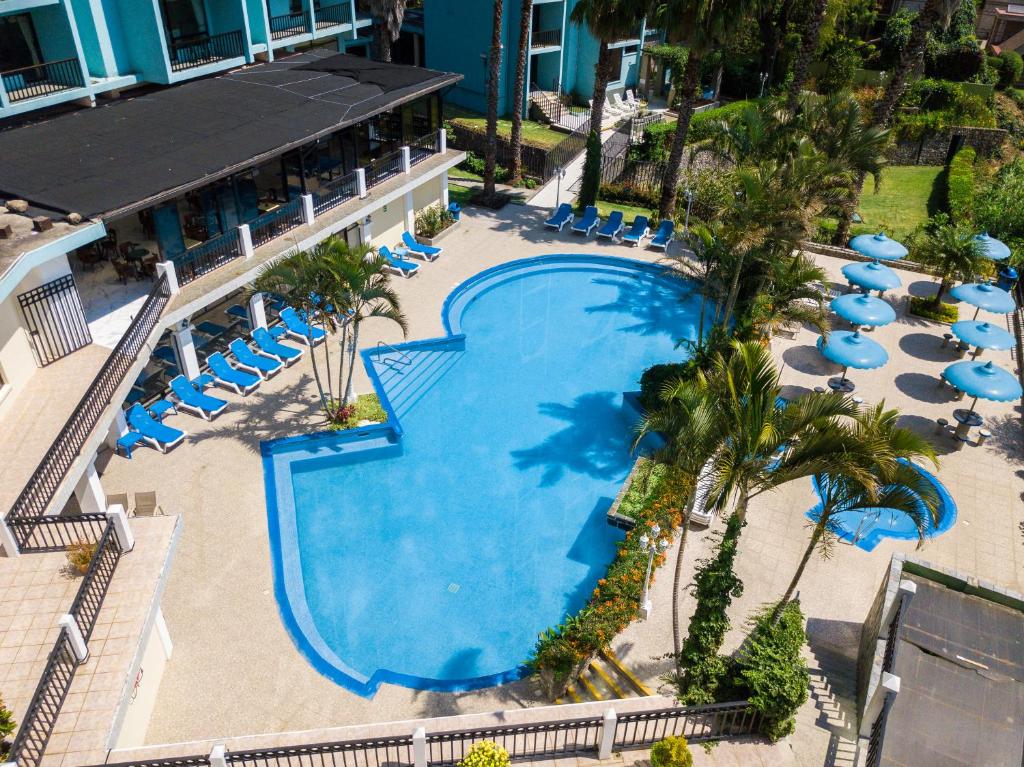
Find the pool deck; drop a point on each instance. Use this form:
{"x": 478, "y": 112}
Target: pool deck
{"x": 235, "y": 671}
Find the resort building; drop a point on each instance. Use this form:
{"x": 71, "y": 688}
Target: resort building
{"x": 71, "y": 51}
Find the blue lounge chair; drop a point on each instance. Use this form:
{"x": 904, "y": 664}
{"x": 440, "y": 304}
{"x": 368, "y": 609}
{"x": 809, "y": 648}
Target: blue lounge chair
{"x": 397, "y": 264}
{"x": 249, "y": 360}
{"x": 269, "y": 345}
{"x": 589, "y": 222}
{"x": 613, "y": 226}
{"x": 237, "y": 312}
{"x": 429, "y": 252}
{"x": 159, "y": 435}
{"x": 194, "y": 401}
{"x": 211, "y": 329}
{"x": 298, "y": 329}
{"x": 637, "y": 231}
{"x": 664, "y": 236}
{"x": 229, "y": 377}
{"x": 562, "y": 217}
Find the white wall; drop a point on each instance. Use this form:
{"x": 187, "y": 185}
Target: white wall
{"x": 140, "y": 707}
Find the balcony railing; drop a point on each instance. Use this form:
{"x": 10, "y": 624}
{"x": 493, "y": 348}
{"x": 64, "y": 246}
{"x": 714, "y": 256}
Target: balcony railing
{"x": 423, "y": 147}
{"x": 332, "y": 15}
{"x": 204, "y": 258}
{"x": 384, "y": 167}
{"x": 274, "y": 224}
{"x": 632, "y": 34}
{"x": 288, "y": 25}
{"x": 42, "y": 79}
{"x": 335, "y": 192}
{"x": 546, "y": 38}
{"x": 196, "y": 53}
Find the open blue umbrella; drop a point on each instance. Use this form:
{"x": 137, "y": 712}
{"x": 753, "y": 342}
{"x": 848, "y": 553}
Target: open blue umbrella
{"x": 852, "y": 349}
{"x": 983, "y": 379}
{"x": 862, "y": 309}
{"x": 983, "y": 335}
{"x": 872, "y": 276}
{"x": 878, "y": 247}
{"x": 991, "y": 247}
{"x": 984, "y": 295}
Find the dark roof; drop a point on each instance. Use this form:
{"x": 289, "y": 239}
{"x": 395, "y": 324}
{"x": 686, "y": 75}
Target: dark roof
{"x": 960, "y": 661}
{"x": 132, "y": 153}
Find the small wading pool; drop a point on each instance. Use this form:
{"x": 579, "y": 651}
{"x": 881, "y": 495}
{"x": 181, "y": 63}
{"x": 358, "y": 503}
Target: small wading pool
{"x": 431, "y": 551}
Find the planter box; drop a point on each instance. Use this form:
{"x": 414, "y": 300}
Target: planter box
{"x": 440, "y": 235}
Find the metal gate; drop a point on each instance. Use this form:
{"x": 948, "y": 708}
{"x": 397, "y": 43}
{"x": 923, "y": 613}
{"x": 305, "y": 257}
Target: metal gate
{"x": 55, "y": 319}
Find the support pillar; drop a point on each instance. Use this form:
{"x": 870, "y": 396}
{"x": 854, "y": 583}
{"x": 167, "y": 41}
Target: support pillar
{"x": 245, "y": 241}
{"x": 78, "y": 646}
{"x": 162, "y": 633}
{"x": 119, "y": 519}
{"x": 7, "y": 542}
{"x": 419, "y": 747}
{"x": 444, "y": 186}
{"x": 257, "y": 311}
{"x": 443, "y": 142}
{"x": 89, "y": 491}
{"x": 307, "y": 209}
{"x": 361, "y": 182}
{"x": 366, "y": 230}
{"x": 607, "y": 742}
{"x": 406, "y": 160}
{"x": 166, "y": 269}
{"x": 185, "y": 349}
{"x": 889, "y": 685}
{"x": 410, "y": 213}
{"x": 118, "y": 428}
{"x": 217, "y": 756}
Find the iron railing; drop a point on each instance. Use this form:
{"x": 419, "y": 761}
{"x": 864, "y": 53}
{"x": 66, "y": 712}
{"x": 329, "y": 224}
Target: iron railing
{"x": 631, "y": 34}
{"x": 274, "y": 224}
{"x": 37, "y": 725}
{"x": 566, "y": 150}
{"x": 55, "y": 533}
{"x": 384, "y": 167}
{"x": 288, "y": 24}
{"x": 877, "y": 736}
{"x": 42, "y": 79}
{"x": 335, "y": 192}
{"x": 889, "y": 657}
{"x": 332, "y": 15}
{"x": 196, "y": 53}
{"x": 425, "y": 146}
{"x": 546, "y": 38}
{"x": 543, "y": 740}
{"x": 93, "y": 589}
{"x": 204, "y": 258}
{"x": 695, "y": 723}
{"x": 31, "y": 530}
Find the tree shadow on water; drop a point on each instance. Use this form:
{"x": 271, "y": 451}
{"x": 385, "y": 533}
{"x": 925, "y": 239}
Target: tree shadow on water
{"x": 592, "y": 442}
{"x": 650, "y": 303}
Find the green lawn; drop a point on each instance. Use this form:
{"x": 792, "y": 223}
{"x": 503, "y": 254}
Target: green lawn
{"x": 629, "y": 212}
{"x": 902, "y": 201}
{"x": 460, "y": 194}
{"x": 534, "y": 133}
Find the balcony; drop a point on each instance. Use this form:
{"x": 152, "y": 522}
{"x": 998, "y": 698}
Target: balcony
{"x": 632, "y": 34}
{"x": 332, "y": 15}
{"x": 546, "y": 38}
{"x": 42, "y": 79}
{"x": 188, "y": 54}
{"x": 289, "y": 25}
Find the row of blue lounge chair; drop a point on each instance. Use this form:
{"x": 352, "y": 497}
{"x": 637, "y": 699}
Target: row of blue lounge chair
{"x": 614, "y": 228}
{"x": 252, "y": 366}
{"x": 397, "y": 261}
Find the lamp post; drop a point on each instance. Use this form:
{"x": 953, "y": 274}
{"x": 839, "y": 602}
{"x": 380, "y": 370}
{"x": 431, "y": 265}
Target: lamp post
{"x": 651, "y": 545}
{"x": 764, "y": 79}
{"x": 689, "y": 204}
{"x": 559, "y": 175}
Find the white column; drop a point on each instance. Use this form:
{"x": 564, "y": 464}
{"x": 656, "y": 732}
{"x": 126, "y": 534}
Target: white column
{"x": 162, "y": 633}
{"x": 307, "y": 209}
{"x": 257, "y": 311}
{"x": 119, "y": 519}
{"x": 166, "y": 268}
{"x": 78, "y": 647}
{"x": 118, "y": 428}
{"x": 419, "y": 747}
{"x": 604, "y": 750}
{"x": 442, "y": 143}
{"x": 89, "y": 491}
{"x": 245, "y": 241}
{"x": 406, "y": 160}
{"x": 410, "y": 213}
{"x": 444, "y": 189}
{"x": 217, "y": 758}
{"x": 7, "y": 542}
{"x": 366, "y": 226}
{"x": 181, "y": 335}
{"x": 361, "y": 182}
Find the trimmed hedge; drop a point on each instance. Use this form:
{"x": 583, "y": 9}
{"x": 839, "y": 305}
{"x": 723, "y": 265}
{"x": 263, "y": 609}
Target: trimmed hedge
{"x": 960, "y": 186}
{"x": 657, "y": 141}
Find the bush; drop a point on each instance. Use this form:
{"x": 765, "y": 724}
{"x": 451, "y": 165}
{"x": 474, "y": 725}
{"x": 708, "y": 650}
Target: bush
{"x": 895, "y": 37}
{"x": 701, "y": 124}
{"x": 924, "y": 307}
{"x": 486, "y": 753}
{"x": 772, "y": 670}
{"x": 643, "y": 488}
{"x": 671, "y": 752}
{"x": 591, "y": 181}
{"x": 1011, "y": 70}
{"x": 655, "y": 377}
{"x": 432, "y": 220}
{"x": 841, "y": 59}
{"x": 657, "y": 140}
{"x": 367, "y": 407}
{"x": 80, "y": 556}
{"x": 960, "y": 185}
{"x": 624, "y": 194}
{"x": 941, "y": 104}
{"x": 476, "y": 164}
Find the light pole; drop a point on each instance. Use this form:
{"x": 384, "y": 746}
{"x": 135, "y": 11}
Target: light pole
{"x": 689, "y": 204}
{"x": 559, "y": 175}
{"x": 764, "y": 79}
{"x": 651, "y": 545}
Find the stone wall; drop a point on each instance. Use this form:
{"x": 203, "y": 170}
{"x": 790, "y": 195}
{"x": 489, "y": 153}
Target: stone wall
{"x": 935, "y": 148}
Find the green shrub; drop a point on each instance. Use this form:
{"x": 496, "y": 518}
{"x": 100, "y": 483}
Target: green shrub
{"x": 624, "y": 194}
{"x": 7, "y": 725}
{"x": 702, "y": 123}
{"x": 642, "y": 490}
{"x": 960, "y": 185}
{"x": 1011, "y": 70}
{"x": 772, "y": 670}
{"x": 940, "y": 104}
{"x": 895, "y": 37}
{"x": 591, "y": 181}
{"x": 476, "y": 164}
{"x": 673, "y": 751}
{"x": 486, "y": 753}
{"x": 367, "y": 407}
{"x": 657, "y": 140}
{"x": 653, "y": 381}
{"x": 432, "y": 220}
{"x": 924, "y": 307}
{"x": 841, "y": 59}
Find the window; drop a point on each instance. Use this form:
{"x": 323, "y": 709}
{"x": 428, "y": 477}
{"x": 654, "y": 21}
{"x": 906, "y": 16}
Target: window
{"x": 615, "y": 54}
{"x": 19, "y": 46}
{"x": 184, "y": 19}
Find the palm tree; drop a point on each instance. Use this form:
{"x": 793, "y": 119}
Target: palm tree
{"x": 875, "y": 443}
{"x": 516, "y": 167}
{"x": 493, "y": 73}
{"x": 389, "y": 15}
{"x": 808, "y": 47}
{"x": 951, "y": 250}
{"x": 607, "y": 20}
{"x": 789, "y": 296}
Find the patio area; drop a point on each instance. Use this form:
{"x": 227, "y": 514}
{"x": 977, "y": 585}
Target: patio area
{"x": 231, "y": 646}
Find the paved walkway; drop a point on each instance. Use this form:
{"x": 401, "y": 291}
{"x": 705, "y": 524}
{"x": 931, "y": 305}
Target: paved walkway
{"x": 230, "y": 645}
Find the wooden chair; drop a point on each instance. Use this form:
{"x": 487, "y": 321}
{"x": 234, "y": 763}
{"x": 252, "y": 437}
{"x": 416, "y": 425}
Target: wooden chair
{"x": 146, "y": 505}
{"x": 125, "y": 271}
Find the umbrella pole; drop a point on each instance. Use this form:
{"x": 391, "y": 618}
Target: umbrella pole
{"x": 843, "y": 376}
{"x": 976, "y": 312}
{"x": 971, "y": 412}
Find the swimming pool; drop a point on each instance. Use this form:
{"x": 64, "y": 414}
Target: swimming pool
{"x": 430, "y": 551}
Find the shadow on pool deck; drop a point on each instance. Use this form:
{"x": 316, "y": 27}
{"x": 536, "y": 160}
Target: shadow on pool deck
{"x": 928, "y": 347}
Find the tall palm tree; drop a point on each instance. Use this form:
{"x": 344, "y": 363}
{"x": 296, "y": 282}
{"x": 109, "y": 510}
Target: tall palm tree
{"x": 389, "y": 15}
{"x": 493, "y": 75}
{"x": 808, "y": 47}
{"x": 518, "y": 91}
{"x": 952, "y": 251}
{"x": 607, "y": 21}
{"x": 789, "y": 296}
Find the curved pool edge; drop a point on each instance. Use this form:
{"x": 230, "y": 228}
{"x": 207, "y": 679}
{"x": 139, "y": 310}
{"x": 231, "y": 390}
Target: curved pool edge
{"x": 301, "y": 629}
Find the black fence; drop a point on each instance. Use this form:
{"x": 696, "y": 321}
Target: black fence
{"x": 546, "y": 38}
{"x": 331, "y": 15}
{"x": 196, "y": 53}
{"x": 277, "y": 222}
{"x": 639, "y": 175}
{"x": 384, "y": 167}
{"x": 423, "y": 147}
{"x": 543, "y": 740}
{"x": 695, "y": 723}
{"x": 335, "y": 192}
{"x": 877, "y": 736}
{"x": 89, "y": 599}
{"x": 566, "y": 150}
{"x": 288, "y": 24}
{"x": 42, "y": 79}
{"x": 31, "y": 530}
{"x": 207, "y": 256}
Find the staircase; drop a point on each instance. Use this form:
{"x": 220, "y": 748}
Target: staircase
{"x": 406, "y": 375}
{"x": 549, "y": 107}
{"x": 606, "y": 678}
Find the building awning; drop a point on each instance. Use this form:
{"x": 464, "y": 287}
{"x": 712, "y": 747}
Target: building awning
{"x": 131, "y": 154}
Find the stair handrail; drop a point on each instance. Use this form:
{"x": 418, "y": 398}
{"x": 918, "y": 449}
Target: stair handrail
{"x": 402, "y": 356}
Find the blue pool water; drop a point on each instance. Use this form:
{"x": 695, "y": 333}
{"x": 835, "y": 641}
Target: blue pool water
{"x": 866, "y": 530}
{"x": 431, "y": 552}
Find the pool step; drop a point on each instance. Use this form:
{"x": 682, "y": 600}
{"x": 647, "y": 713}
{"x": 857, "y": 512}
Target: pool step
{"x": 406, "y": 384}
{"x": 606, "y": 678}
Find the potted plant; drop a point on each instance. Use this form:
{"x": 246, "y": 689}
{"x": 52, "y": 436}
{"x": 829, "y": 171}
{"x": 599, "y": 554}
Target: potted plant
{"x": 80, "y": 556}
{"x": 433, "y": 223}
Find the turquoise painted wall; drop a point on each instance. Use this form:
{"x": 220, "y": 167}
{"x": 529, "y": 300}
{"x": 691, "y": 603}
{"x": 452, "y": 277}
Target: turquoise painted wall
{"x": 115, "y": 29}
{"x": 97, "y": 53}
{"x": 56, "y": 40}
{"x": 257, "y": 20}
{"x": 224, "y": 16}
{"x": 144, "y": 35}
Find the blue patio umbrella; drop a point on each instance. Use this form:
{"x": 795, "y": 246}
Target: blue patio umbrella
{"x": 991, "y": 247}
{"x": 852, "y": 349}
{"x": 872, "y": 276}
{"x": 983, "y": 335}
{"x": 862, "y": 309}
{"x": 878, "y": 247}
{"x": 984, "y": 295}
{"x": 983, "y": 380}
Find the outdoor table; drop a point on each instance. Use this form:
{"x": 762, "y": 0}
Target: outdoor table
{"x": 965, "y": 420}
{"x": 841, "y": 384}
